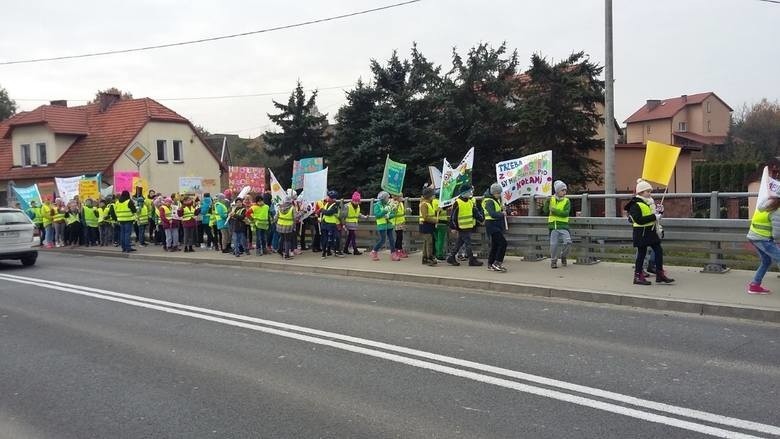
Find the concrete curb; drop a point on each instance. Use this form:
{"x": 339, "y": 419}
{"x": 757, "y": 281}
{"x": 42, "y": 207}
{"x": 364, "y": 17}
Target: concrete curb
{"x": 584, "y": 295}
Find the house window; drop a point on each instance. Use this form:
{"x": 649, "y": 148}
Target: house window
{"x": 682, "y": 127}
{"x": 41, "y": 149}
{"x": 648, "y": 129}
{"x": 708, "y": 106}
{"x": 26, "y": 159}
{"x": 178, "y": 152}
{"x": 709, "y": 125}
{"x": 162, "y": 151}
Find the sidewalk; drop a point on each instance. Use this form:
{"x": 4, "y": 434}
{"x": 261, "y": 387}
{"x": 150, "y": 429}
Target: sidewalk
{"x": 693, "y": 292}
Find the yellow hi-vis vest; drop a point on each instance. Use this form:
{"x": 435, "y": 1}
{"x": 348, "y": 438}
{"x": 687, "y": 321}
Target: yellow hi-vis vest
{"x": 646, "y": 210}
{"x": 555, "y": 204}
{"x": 441, "y": 214}
{"x": 37, "y": 218}
{"x": 46, "y": 213}
{"x": 260, "y": 216}
{"x": 90, "y": 217}
{"x": 286, "y": 219}
{"x": 143, "y": 215}
{"x": 58, "y": 216}
{"x": 497, "y": 208}
{"x": 400, "y": 214}
{"x": 761, "y": 224}
{"x": 353, "y": 213}
{"x": 72, "y": 218}
{"x": 465, "y": 213}
{"x": 123, "y": 212}
{"x": 429, "y": 209}
{"x": 168, "y": 212}
{"x": 330, "y": 219}
{"x": 187, "y": 213}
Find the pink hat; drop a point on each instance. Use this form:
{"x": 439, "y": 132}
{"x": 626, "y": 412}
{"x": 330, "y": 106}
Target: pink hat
{"x": 228, "y": 193}
{"x": 356, "y": 197}
{"x": 168, "y": 200}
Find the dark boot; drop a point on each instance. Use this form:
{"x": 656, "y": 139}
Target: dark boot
{"x": 661, "y": 278}
{"x": 357, "y": 252}
{"x": 639, "y": 279}
{"x": 451, "y": 260}
{"x": 474, "y": 262}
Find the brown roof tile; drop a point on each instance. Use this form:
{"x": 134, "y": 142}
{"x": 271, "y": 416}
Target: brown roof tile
{"x": 667, "y": 108}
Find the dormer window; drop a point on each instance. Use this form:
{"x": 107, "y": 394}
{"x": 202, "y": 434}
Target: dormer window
{"x": 26, "y": 159}
{"x": 41, "y": 150}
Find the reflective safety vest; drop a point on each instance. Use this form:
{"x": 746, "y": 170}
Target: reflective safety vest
{"x": 400, "y": 214}
{"x": 555, "y": 204}
{"x": 91, "y": 216}
{"x": 168, "y": 212}
{"x": 441, "y": 214}
{"x": 286, "y": 219}
{"x": 46, "y": 213}
{"x": 260, "y": 216}
{"x": 429, "y": 210}
{"x": 330, "y": 219}
{"x": 58, "y": 216}
{"x": 37, "y": 218}
{"x": 71, "y": 218}
{"x": 646, "y": 210}
{"x": 761, "y": 224}
{"x": 103, "y": 215}
{"x": 143, "y": 215}
{"x": 353, "y": 213}
{"x": 498, "y": 207}
{"x": 465, "y": 213}
{"x": 380, "y": 221}
{"x": 123, "y": 212}
{"x": 188, "y": 213}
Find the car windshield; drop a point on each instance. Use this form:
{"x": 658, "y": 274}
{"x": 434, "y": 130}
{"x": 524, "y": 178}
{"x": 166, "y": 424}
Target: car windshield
{"x": 13, "y": 217}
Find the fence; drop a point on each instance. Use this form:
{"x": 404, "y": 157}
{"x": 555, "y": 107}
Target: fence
{"x": 712, "y": 243}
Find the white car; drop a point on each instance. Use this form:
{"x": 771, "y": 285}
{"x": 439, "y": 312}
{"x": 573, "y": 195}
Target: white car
{"x": 17, "y": 236}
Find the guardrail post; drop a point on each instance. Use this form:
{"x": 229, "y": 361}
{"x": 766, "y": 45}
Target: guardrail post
{"x": 585, "y": 208}
{"x": 715, "y": 266}
{"x": 587, "y": 241}
{"x": 534, "y": 249}
{"x": 532, "y": 206}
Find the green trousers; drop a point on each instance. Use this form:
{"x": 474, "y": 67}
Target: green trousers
{"x": 440, "y": 241}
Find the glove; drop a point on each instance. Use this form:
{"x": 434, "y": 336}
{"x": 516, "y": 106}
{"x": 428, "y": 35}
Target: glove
{"x": 659, "y": 208}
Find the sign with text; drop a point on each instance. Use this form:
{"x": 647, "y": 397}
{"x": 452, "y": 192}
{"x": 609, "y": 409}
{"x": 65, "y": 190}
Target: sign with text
{"x": 525, "y": 176}
{"x": 190, "y": 185}
{"x": 123, "y": 181}
{"x": 305, "y": 166}
{"x": 89, "y": 188}
{"x": 240, "y": 176}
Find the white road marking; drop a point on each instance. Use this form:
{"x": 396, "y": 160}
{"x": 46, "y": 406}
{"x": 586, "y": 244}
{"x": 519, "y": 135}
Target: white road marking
{"x": 239, "y": 321}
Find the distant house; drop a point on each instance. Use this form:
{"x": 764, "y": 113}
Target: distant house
{"x": 60, "y": 141}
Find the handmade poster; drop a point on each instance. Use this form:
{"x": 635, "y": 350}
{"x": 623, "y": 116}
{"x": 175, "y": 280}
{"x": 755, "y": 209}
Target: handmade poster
{"x": 68, "y": 187}
{"x": 315, "y": 186}
{"x": 190, "y": 185}
{"x": 304, "y": 166}
{"x": 393, "y": 177}
{"x": 123, "y": 181}
{"x": 525, "y": 176}
{"x": 277, "y": 191}
{"x": 455, "y": 181}
{"x": 26, "y": 194}
{"x": 240, "y": 176}
{"x": 89, "y": 188}
{"x": 660, "y": 160}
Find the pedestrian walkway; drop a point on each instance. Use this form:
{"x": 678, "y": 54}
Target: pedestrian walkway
{"x": 693, "y": 292}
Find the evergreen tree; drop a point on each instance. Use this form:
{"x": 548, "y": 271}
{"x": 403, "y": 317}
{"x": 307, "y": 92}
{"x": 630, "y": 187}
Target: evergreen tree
{"x": 558, "y": 110}
{"x": 303, "y": 131}
{"x": 7, "y": 105}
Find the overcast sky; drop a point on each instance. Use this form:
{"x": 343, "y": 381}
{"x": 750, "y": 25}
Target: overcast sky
{"x": 663, "y": 48}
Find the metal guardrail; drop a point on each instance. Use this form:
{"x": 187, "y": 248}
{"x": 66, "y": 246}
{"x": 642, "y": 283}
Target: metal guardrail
{"x": 712, "y": 243}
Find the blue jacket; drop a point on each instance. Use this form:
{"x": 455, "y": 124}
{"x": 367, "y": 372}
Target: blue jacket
{"x": 205, "y": 205}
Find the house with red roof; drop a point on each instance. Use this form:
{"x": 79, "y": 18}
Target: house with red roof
{"x": 107, "y": 137}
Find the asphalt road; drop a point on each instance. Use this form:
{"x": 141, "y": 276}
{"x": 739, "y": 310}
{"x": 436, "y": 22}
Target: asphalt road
{"x": 241, "y": 353}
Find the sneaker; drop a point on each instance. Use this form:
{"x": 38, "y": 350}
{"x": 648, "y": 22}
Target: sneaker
{"x": 554, "y": 264}
{"x": 374, "y": 255}
{"x": 564, "y": 262}
{"x": 754, "y": 288}
{"x": 462, "y": 258}
{"x": 492, "y": 267}
{"x": 357, "y": 252}
{"x": 339, "y": 254}
{"x": 499, "y": 267}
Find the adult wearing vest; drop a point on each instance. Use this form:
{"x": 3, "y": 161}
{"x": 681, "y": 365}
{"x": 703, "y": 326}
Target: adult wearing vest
{"x": 123, "y": 211}
{"x": 645, "y": 234}
{"x": 764, "y": 234}
{"x": 428, "y": 222}
{"x": 47, "y": 213}
{"x": 36, "y": 215}
{"x": 143, "y": 221}
{"x": 494, "y": 226}
{"x": 351, "y": 215}
{"x": 441, "y": 232}
{"x": 399, "y": 223}
{"x": 258, "y": 214}
{"x": 91, "y": 216}
{"x": 329, "y": 225}
{"x": 558, "y": 210}
{"x": 384, "y": 212}
{"x": 463, "y": 220}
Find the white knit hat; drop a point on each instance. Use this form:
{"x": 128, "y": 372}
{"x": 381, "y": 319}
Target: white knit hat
{"x": 642, "y": 186}
{"x": 559, "y": 186}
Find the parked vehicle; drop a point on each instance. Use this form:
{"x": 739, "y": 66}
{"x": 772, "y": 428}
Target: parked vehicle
{"x": 18, "y": 238}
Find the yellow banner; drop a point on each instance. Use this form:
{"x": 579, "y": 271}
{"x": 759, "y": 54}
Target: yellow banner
{"x": 140, "y": 182}
{"x": 88, "y": 188}
{"x": 660, "y": 160}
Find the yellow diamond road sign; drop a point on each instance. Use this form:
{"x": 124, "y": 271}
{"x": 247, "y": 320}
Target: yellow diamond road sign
{"x": 137, "y": 153}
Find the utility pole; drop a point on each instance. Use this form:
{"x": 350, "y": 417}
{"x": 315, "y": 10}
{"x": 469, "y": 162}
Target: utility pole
{"x": 609, "y": 117}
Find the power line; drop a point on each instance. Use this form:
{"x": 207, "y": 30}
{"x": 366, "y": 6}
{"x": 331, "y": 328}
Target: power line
{"x": 203, "y": 40}
{"x": 272, "y": 93}
{"x": 771, "y": 1}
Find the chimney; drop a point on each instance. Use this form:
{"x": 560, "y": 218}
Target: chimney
{"x": 684, "y": 98}
{"x": 652, "y": 103}
{"x": 59, "y": 103}
{"x": 107, "y": 99}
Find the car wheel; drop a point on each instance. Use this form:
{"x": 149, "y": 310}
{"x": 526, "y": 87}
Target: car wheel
{"x": 28, "y": 261}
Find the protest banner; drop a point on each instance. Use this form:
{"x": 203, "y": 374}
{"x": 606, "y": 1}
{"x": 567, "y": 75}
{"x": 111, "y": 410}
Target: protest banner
{"x": 89, "y": 188}
{"x": 454, "y": 181}
{"x": 660, "y": 160}
{"x": 277, "y": 191}
{"x": 304, "y": 166}
{"x": 393, "y": 177}
{"x": 123, "y": 181}
{"x": 315, "y": 186}
{"x": 240, "y": 176}
{"x": 26, "y": 194}
{"x": 525, "y": 176}
{"x": 435, "y": 176}
{"x": 769, "y": 188}
{"x": 142, "y": 183}
{"x": 68, "y": 187}
{"x": 190, "y": 185}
